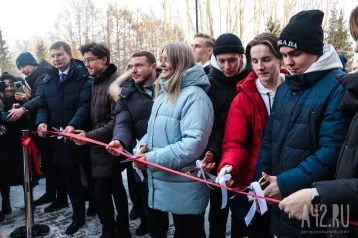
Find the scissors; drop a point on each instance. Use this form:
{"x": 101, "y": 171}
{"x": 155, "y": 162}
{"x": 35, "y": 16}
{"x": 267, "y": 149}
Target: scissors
{"x": 262, "y": 181}
{"x": 142, "y": 150}
{"x": 59, "y": 136}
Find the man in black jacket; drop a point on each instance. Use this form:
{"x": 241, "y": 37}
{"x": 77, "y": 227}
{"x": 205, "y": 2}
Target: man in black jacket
{"x": 229, "y": 68}
{"x": 55, "y": 185}
{"x": 134, "y": 98}
{"x": 65, "y": 102}
{"x": 106, "y": 168}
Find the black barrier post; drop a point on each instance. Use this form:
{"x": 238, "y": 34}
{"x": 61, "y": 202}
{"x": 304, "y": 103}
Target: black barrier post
{"x": 30, "y": 229}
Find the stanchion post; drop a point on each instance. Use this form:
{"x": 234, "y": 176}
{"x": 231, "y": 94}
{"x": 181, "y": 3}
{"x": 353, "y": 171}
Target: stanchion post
{"x": 30, "y": 230}
{"x": 29, "y": 215}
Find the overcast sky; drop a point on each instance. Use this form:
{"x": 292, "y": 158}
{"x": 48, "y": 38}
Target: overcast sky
{"x": 27, "y": 18}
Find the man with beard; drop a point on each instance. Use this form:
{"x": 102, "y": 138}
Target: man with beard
{"x": 134, "y": 98}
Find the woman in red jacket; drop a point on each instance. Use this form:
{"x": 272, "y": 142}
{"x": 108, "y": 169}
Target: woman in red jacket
{"x": 249, "y": 112}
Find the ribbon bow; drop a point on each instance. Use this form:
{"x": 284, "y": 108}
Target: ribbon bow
{"x": 136, "y": 151}
{"x": 32, "y": 151}
{"x": 59, "y": 136}
{"x": 222, "y": 181}
{"x": 257, "y": 190}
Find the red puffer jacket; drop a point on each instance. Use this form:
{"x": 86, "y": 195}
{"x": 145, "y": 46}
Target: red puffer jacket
{"x": 244, "y": 130}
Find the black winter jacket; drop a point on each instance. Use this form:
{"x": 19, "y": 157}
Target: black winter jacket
{"x": 222, "y": 92}
{"x": 102, "y": 124}
{"x": 345, "y": 185}
{"x": 133, "y": 110}
{"x": 66, "y": 104}
{"x": 35, "y": 81}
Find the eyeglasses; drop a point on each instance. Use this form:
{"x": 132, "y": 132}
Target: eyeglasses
{"x": 89, "y": 60}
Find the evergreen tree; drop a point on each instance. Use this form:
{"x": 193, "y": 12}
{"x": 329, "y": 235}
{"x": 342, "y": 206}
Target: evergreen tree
{"x": 41, "y": 51}
{"x": 338, "y": 35}
{"x": 273, "y": 26}
{"x": 5, "y": 58}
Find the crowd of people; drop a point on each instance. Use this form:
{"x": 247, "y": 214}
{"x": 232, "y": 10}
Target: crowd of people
{"x": 280, "y": 110}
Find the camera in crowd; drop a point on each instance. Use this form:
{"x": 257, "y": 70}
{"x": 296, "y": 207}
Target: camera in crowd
{"x": 19, "y": 87}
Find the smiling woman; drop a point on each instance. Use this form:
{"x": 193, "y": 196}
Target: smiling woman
{"x": 180, "y": 123}
{"x": 10, "y": 145}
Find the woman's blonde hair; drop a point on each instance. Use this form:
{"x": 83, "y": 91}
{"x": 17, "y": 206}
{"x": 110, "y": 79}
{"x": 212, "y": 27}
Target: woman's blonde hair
{"x": 353, "y": 23}
{"x": 181, "y": 57}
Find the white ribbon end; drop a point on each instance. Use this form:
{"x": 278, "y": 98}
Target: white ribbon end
{"x": 222, "y": 181}
{"x": 262, "y": 202}
{"x": 135, "y": 152}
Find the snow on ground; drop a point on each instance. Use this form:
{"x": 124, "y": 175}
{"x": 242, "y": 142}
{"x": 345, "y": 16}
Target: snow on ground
{"x": 58, "y": 221}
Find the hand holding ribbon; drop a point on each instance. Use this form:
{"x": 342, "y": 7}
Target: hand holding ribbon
{"x": 224, "y": 178}
{"x": 136, "y": 151}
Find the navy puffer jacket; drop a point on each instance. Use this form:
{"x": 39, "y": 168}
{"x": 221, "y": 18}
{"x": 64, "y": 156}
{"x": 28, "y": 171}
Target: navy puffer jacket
{"x": 304, "y": 135}
{"x": 67, "y": 104}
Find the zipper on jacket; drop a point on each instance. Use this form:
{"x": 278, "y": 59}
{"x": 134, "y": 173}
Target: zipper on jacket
{"x": 270, "y": 106}
{"x": 313, "y": 121}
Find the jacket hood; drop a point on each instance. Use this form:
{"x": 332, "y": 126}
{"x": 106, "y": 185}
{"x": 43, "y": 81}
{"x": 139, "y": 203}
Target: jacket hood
{"x": 251, "y": 83}
{"x": 329, "y": 60}
{"x": 350, "y": 97}
{"x": 194, "y": 76}
{"x": 115, "y": 88}
{"x": 43, "y": 67}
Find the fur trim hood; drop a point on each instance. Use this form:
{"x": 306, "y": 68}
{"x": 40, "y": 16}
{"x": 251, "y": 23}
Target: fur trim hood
{"x": 115, "y": 88}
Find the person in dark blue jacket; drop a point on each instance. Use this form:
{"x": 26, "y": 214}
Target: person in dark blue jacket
{"x": 65, "y": 102}
{"x": 305, "y": 130}
{"x": 342, "y": 192}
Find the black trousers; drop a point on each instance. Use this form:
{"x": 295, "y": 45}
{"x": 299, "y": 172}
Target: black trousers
{"x": 75, "y": 189}
{"x": 5, "y": 193}
{"x": 186, "y": 226}
{"x": 134, "y": 192}
{"x": 55, "y": 181}
{"x": 260, "y": 227}
{"x": 189, "y": 226}
{"x": 105, "y": 188}
{"x": 157, "y": 222}
{"x": 217, "y": 216}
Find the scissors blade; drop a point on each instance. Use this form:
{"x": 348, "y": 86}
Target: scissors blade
{"x": 58, "y": 130}
{"x": 129, "y": 153}
{"x": 189, "y": 170}
{"x": 127, "y": 160}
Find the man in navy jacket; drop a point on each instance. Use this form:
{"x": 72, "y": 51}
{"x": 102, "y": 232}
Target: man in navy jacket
{"x": 306, "y": 130}
{"x": 65, "y": 103}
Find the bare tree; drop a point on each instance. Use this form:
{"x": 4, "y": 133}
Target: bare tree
{"x": 209, "y": 19}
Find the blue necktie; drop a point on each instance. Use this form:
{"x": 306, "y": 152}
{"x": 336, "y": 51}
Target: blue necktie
{"x": 152, "y": 88}
{"x": 62, "y": 77}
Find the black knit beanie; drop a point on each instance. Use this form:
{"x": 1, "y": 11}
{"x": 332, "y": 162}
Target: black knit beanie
{"x": 228, "y": 43}
{"x": 304, "y": 32}
{"x": 26, "y": 58}
{"x": 6, "y": 75}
